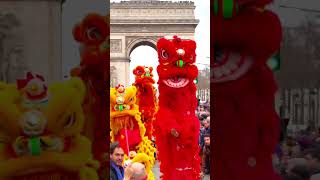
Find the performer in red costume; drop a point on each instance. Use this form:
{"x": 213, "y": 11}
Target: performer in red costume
{"x": 146, "y": 96}
{"x": 92, "y": 33}
{"x": 176, "y": 125}
{"x": 246, "y": 126}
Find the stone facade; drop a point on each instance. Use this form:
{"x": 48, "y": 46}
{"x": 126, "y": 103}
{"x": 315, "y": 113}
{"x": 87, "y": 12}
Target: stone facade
{"x": 33, "y": 40}
{"x": 136, "y": 23}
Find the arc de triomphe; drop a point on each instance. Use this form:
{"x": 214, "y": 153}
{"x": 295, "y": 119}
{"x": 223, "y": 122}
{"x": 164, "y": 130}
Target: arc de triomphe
{"x": 136, "y": 23}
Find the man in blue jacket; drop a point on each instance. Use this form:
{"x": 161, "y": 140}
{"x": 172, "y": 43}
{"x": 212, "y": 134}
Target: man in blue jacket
{"x": 116, "y": 160}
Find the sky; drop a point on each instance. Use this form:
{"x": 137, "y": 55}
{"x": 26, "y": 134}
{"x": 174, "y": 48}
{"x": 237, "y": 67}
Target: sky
{"x": 73, "y": 12}
{"x": 292, "y": 17}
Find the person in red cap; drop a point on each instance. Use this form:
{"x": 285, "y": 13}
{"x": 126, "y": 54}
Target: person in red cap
{"x": 246, "y": 125}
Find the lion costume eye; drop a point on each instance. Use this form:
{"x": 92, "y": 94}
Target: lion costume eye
{"x": 191, "y": 57}
{"x": 93, "y": 33}
{"x": 70, "y": 120}
{"x": 164, "y": 54}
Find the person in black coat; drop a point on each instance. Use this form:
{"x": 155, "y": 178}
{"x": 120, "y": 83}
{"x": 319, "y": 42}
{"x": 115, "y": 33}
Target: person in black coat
{"x": 206, "y": 155}
{"x": 205, "y": 130}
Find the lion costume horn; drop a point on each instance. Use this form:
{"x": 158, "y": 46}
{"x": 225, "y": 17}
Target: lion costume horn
{"x": 230, "y": 8}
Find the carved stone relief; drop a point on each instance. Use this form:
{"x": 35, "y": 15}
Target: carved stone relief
{"x": 12, "y": 55}
{"x": 116, "y": 45}
{"x": 113, "y": 76}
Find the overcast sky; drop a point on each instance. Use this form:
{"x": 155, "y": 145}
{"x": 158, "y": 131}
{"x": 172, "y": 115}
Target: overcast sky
{"x": 73, "y": 12}
{"x": 291, "y": 15}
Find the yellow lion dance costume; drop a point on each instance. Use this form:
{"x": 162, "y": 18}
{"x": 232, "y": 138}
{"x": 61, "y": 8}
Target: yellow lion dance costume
{"x": 44, "y": 141}
{"x": 126, "y": 125}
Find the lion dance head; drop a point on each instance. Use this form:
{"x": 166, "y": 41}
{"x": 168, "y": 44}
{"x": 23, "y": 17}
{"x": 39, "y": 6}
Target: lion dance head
{"x": 143, "y": 75}
{"x": 176, "y": 68}
{"x": 245, "y": 35}
{"x": 42, "y": 136}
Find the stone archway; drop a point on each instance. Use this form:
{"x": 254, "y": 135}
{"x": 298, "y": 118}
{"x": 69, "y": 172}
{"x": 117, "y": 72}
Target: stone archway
{"x": 137, "y": 23}
{"x": 141, "y": 41}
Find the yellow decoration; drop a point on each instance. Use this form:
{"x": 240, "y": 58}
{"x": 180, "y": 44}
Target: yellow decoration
{"x": 126, "y": 119}
{"x": 60, "y": 124}
{"x": 144, "y": 159}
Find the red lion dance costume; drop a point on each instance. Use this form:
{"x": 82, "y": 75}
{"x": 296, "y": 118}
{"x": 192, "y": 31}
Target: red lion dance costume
{"x": 246, "y": 126}
{"x": 176, "y": 125}
{"x": 93, "y": 35}
{"x": 146, "y": 96}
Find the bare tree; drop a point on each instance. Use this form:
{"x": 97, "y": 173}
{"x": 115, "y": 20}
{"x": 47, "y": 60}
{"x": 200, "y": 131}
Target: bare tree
{"x": 204, "y": 79}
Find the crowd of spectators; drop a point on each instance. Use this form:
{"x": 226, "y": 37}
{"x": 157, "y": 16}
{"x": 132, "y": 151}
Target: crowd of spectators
{"x": 297, "y": 157}
{"x": 203, "y": 114}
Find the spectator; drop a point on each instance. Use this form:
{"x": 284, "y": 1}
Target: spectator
{"x": 296, "y": 169}
{"x": 206, "y": 155}
{"x": 295, "y": 162}
{"x": 292, "y": 178}
{"x": 276, "y": 160}
{"x": 204, "y": 130}
{"x": 312, "y": 157}
{"x": 116, "y": 160}
{"x": 306, "y": 139}
{"x": 202, "y": 112}
{"x": 298, "y": 173}
{"x": 204, "y": 116}
{"x": 278, "y": 150}
{"x": 135, "y": 171}
{"x": 291, "y": 148}
{"x": 317, "y": 139}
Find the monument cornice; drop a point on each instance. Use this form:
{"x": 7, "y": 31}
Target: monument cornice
{"x": 152, "y": 13}
{"x": 132, "y": 28}
{"x": 154, "y": 21}
{"x": 120, "y": 59}
{"x": 152, "y": 4}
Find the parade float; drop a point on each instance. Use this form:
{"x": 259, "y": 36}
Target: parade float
{"x": 92, "y": 33}
{"x": 176, "y": 125}
{"x": 127, "y": 128}
{"x": 40, "y": 131}
{"x": 146, "y": 96}
{"x": 245, "y": 36}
